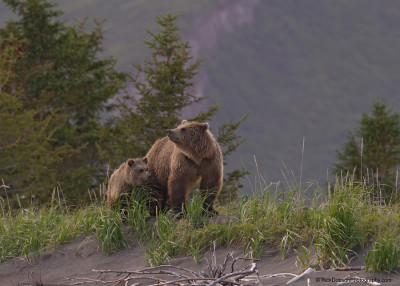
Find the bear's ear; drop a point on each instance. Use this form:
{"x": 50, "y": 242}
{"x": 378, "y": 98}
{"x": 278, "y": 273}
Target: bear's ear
{"x": 184, "y": 121}
{"x": 131, "y": 162}
{"x": 204, "y": 126}
{"x": 145, "y": 160}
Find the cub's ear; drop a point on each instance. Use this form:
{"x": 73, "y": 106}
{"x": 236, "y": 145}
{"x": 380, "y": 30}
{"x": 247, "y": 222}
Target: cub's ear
{"x": 184, "y": 121}
{"x": 145, "y": 160}
{"x": 204, "y": 126}
{"x": 131, "y": 162}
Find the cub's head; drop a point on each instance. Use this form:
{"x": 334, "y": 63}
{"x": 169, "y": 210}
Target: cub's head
{"x": 138, "y": 172}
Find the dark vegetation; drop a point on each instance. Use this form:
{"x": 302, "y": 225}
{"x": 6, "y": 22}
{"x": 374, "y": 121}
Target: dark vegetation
{"x": 55, "y": 75}
{"x": 372, "y": 152}
{"x": 54, "y": 80}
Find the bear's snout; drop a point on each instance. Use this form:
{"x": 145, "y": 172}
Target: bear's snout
{"x": 171, "y": 135}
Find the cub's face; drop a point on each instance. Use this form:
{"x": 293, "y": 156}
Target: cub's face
{"x": 187, "y": 133}
{"x": 138, "y": 171}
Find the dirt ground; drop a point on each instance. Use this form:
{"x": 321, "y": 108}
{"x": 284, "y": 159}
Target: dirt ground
{"x": 73, "y": 262}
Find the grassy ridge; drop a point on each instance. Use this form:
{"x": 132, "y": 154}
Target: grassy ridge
{"x": 332, "y": 225}
{"x": 29, "y": 231}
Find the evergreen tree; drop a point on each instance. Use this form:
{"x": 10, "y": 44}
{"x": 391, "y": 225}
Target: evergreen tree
{"x": 60, "y": 72}
{"x": 27, "y": 157}
{"x": 374, "y": 148}
{"x": 164, "y": 87}
{"x": 229, "y": 142}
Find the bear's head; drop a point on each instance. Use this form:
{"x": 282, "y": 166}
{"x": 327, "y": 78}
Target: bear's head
{"x": 138, "y": 172}
{"x": 192, "y": 138}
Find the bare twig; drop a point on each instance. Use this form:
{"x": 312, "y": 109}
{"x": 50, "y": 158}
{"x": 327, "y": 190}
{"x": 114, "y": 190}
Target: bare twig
{"x": 172, "y": 266}
{"x": 348, "y": 268}
{"x": 241, "y": 274}
{"x": 114, "y": 282}
{"x": 242, "y": 258}
{"x": 177, "y": 282}
{"x": 308, "y": 271}
{"x": 142, "y": 272}
{"x": 277, "y": 275}
{"x": 213, "y": 274}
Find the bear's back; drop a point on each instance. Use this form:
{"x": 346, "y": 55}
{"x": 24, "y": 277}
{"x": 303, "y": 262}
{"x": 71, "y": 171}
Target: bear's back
{"x": 159, "y": 159}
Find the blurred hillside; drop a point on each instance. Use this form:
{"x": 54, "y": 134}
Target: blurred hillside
{"x": 299, "y": 69}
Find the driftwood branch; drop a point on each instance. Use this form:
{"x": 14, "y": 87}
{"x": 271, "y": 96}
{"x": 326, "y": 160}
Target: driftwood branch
{"x": 308, "y": 271}
{"x": 246, "y": 276}
{"x": 240, "y": 274}
{"x": 126, "y": 279}
{"x": 213, "y": 274}
{"x": 183, "y": 279}
{"x": 277, "y": 275}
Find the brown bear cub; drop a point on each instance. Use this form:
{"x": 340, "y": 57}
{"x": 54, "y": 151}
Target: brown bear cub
{"x": 131, "y": 173}
{"x": 188, "y": 154}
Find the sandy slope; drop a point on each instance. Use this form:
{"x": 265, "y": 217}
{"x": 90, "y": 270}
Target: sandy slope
{"x": 78, "y": 257}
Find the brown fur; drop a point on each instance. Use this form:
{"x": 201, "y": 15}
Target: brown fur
{"x": 187, "y": 155}
{"x": 129, "y": 174}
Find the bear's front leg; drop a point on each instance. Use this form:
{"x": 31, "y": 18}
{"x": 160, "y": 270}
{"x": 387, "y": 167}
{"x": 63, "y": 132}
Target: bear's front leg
{"x": 209, "y": 195}
{"x": 157, "y": 200}
{"x": 178, "y": 190}
{"x": 210, "y": 186}
{"x": 181, "y": 178}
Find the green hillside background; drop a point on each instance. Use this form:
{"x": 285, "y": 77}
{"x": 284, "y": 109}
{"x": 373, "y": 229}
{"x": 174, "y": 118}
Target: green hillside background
{"x": 297, "y": 68}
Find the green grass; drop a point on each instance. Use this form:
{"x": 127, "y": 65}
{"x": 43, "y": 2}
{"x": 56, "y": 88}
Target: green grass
{"x": 109, "y": 231}
{"x": 29, "y": 231}
{"x": 335, "y": 225}
{"x": 341, "y": 223}
{"x": 384, "y": 255}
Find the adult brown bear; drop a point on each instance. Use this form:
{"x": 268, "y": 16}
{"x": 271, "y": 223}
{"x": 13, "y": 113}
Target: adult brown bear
{"x": 188, "y": 154}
